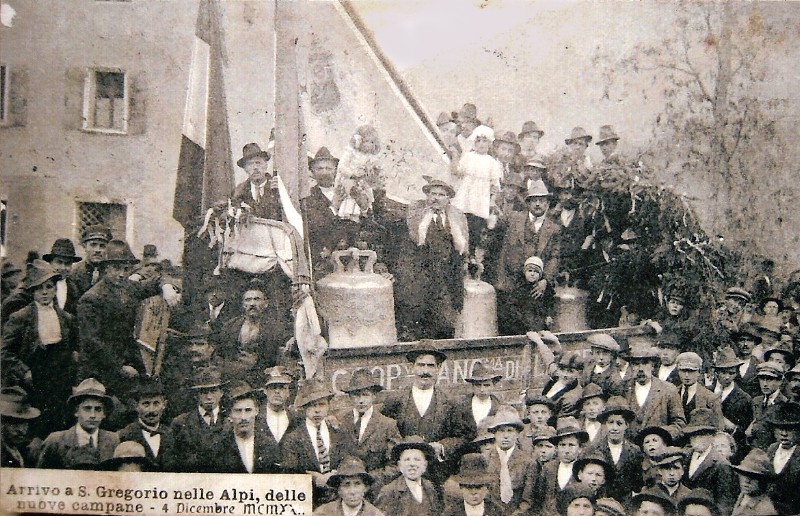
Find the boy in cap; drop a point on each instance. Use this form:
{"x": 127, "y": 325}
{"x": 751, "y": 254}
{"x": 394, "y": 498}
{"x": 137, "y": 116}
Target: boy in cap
{"x": 785, "y": 458}
{"x": 707, "y": 467}
{"x": 590, "y": 406}
{"x": 694, "y": 395}
{"x": 315, "y": 447}
{"x": 593, "y": 471}
{"x": 374, "y": 434}
{"x": 736, "y": 405}
{"x": 351, "y": 483}
{"x": 149, "y": 431}
{"x": 671, "y": 464}
{"x": 624, "y": 457}
{"x": 244, "y": 447}
{"x": 410, "y": 494}
{"x": 67, "y": 448}
{"x": 508, "y": 464}
{"x": 15, "y": 417}
{"x": 195, "y": 431}
{"x": 770, "y": 380}
{"x": 38, "y": 340}
{"x": 602, "y": 368}
{"x": 474, "y": 480}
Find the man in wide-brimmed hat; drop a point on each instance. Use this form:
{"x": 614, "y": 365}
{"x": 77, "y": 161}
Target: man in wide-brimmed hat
{"x": 530, "y": 233}
{"x": 260, "y": 190}
{"x": 624, "y": 456}
{"x": 37, "y": 340}
{"x": 427, "y": 411}
{"x": 508, "y": 463}
{"x": 148, "y": 430}
{"x": 107, "y": 316}
{"x": 482, "y": 402}
{"x": 196, "y": 430}
{"x": 756, "y": 475}
{"x": 784, "y": 456}
{"x": 351, "y": 482}
{"x": 16, "y": 414}
{"x": 324, "y": 227}
{"x": 410, "y": 494}
{"x": 505, "y": 149}
{"x": 244, "y": 447}
{"x": 736, "y": 404}
{"x": 94, "y": 240}
{"x": 315, "y": 447}
{"x": 373, "y": 433}
{"x": 707, "y": 468}
{"x": 570, "y": 441}
{"x": 85, "y": 441}
{"x": 572, "y": 164}
{"x": 128, "y": 456}
{"x": 474, "y": 480}
{"x": 528, "y": 138}
{"x": 656, "y": 402}
{"x": 432, "y": 266}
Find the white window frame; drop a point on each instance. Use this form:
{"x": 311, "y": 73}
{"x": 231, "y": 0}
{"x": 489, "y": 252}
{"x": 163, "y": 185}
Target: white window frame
{"x": 6, "y": 96}
{"x": 90, "y": 101}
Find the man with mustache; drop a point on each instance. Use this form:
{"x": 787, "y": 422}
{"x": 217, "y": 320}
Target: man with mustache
{"x": 252, "y": 342}
{"x": 156, "y": 438}
{"x": 85, "y": 274}
{"x": 792, "y": 389}
{"x": 424, "y": 410}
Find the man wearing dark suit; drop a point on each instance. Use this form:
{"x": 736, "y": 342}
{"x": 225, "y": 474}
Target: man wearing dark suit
{"x": 482, "y": 404}
{"x": 770, "y": 378}
{"x": 737, "y": 405}
{"x": 623, "y": 456}
{"x": 244, "y": 447}
{"x": 315, "y": 447}
{"x": 156, "y": 438}
{"x": 744, "y": 341}
{"x": 693, "y": 394}
{"x": 196, "y": 431}
{"x": 275, "y": 417}
{"x": 94, "y": 240}
{"x": 84, "y": 443}
{"x": 374, "y": 434}
{"x": 602, "y": 368}
{"x": 564, "y": 389}
{"x": 425, "y": 411}
{"x": 707, "y": 467}
{"x": 260, "y": 191}
{"x": 506, "y": 457}
{"x": 37, "y": 341}
{"x": 669, "y": 347}
{"x": 530, "y": 233}
{"x": 325, "y": 229}
{"x": 785, "y": 458}
{"x": 252, "y": 342}
{"x": 431, "y": 265}
{"x": 656, "y": 403}
{"x": 106, "y": 319}
{"x": 16, "y": 414}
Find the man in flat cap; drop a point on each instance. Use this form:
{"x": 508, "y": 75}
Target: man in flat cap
{"x": 431, "y": 267}
{"x": 602, "y": 368}
{"x": 260, "y": 190}
{"x": 770, "y": 379}
{"x": 94, "y": 240}
{"x": 275, "y": 415}
{"x": 694, "y": 394}
{"x": 426, "y": 411}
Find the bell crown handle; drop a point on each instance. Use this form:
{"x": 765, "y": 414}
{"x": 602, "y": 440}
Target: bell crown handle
{"x": 354, "y": 266}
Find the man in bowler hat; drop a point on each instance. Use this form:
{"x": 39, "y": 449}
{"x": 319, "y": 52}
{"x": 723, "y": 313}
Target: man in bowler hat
{"x": 260, "y": 190}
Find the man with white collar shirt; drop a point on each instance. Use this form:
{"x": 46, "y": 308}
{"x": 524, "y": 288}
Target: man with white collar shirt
{"x": 275, "y": 416}
{"x": 693, "y": 394}
{"x": 602, "y": 368}
{"x": 655, "y": 402}
{"x": 668, "y": 350}
{"x": 770, "y": 379}
{"x": 785, "y": 458}
{"x": 156, "y": 438}
{"x": 508, "y": 464}
{"x": 743, "y": 343}
{"x": 260, "y": 191}
{"x": 736, "y": 404}
{"x": 482, "y": 402}
{"x": 426, "y": 411}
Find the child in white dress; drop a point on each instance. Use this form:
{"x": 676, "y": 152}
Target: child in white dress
{"x": 358, "y": 175}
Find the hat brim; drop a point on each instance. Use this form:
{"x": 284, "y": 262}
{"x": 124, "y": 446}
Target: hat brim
{"x": 580, "y": 463}
{"x": 244, "y": 159}
{"x": 657, "y": 430}
{"x": 548, "y": 195}
{"x": 651, "y": 497}
{"x": 570, "y": 140}
{"x": 133, "y": 261}
{"x": 28, "y": 414}
{"x": 71, "y": 258}
{"x": 788, "y": 425}
{"x": 425, "y": 448}
{"x": 750, "y": 472}
{"x": 302, "y": 402}
{"x": 358, "y": 388}
{"x": 413, "y": 355}
{"x": 608, "y": 139}
{"x": 538, "y": 133}
{"x": 582, "y": 435}
{"x": 336, "y": 479}
{"x": 477, "y": 379}
{"x": 40, "y": 281}
{"x": 311, "y": 161}
{"x": 450, "y": 191}
{"x": 627, "y": 414}
{"x": 114, "y": 463}
{"x": 473, "y": 480}
{"x": 75, "y": 399}
{"x": 215, "y": 385}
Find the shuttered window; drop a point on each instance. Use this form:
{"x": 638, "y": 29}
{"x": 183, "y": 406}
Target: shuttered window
{"x": 106, "y": 101}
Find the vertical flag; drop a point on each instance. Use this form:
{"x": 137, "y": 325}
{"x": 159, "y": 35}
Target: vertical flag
{"x": 205, "y": 172}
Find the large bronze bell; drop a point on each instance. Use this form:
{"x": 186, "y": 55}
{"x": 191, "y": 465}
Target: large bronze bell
{"x": 570, "y": 310}
{"x": 478, "y": 318}
{"x": 357, "y": 303}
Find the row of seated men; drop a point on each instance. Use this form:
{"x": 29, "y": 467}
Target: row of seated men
{"x": 609, "y": 423}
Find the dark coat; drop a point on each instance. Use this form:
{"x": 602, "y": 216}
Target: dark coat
{"x": 518, "y": 466}
{"x": 226, "y": 458}
{"x": 566, "y": 400}
{"x": 274, "y": 332}
{"x": 166, "y": 459}
{"x": 716, "y": 475}
{"x": 627, "y": 472}
{"x": 738, "y": 408}
{"x": 375, "y": 445}
{"x": 749, "y": 382}
{"x": 760, "y": 433}
{"x": 466, "y": 402}
{"x": 8, "y": 460}
{"x": 59, "y": 448}
{"x": 81, "y": 276}
{"x": 661, "y": 408}
{"x": 395, "y": 499}
{"x": 325, "y": 229}
{"x": 546, "y": 489}
{"x": 609, "y": 380}
{"x": 787, "y": 501}
{"x": 194, "y": 439}
{"x": 520, "y": 242}
{"x": 107, "y": 316}
{"x": 21, "y": 298}
{"x": 268, "y": 207}
{"x": 704, "y": 398}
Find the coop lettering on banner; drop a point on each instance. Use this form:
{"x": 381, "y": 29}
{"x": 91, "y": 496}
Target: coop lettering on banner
{"x": 96, "y": 492}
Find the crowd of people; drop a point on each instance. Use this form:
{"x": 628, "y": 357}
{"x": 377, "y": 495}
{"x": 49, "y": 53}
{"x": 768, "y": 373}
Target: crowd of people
{"x": 674, "y": 422}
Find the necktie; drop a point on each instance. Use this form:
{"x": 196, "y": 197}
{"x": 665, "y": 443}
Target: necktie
{"x": 91, "y": 441}
{"x": 685, "y": 396}
{"x": 506, "y": 491}
{"x": 209, "y": 417}
{"x": 357, "y": 427}
{"x": 95, "y": 276}
{"x": 322, "y": 452}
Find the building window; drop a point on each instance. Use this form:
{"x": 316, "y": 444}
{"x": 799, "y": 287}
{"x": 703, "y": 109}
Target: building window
{"x": 106, "y": 101}
{"x": 4, "y": 89}
{"x": 113, "y": 216}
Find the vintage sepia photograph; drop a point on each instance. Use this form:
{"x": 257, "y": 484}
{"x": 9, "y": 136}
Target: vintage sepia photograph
{"x": 399, "y": 257}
